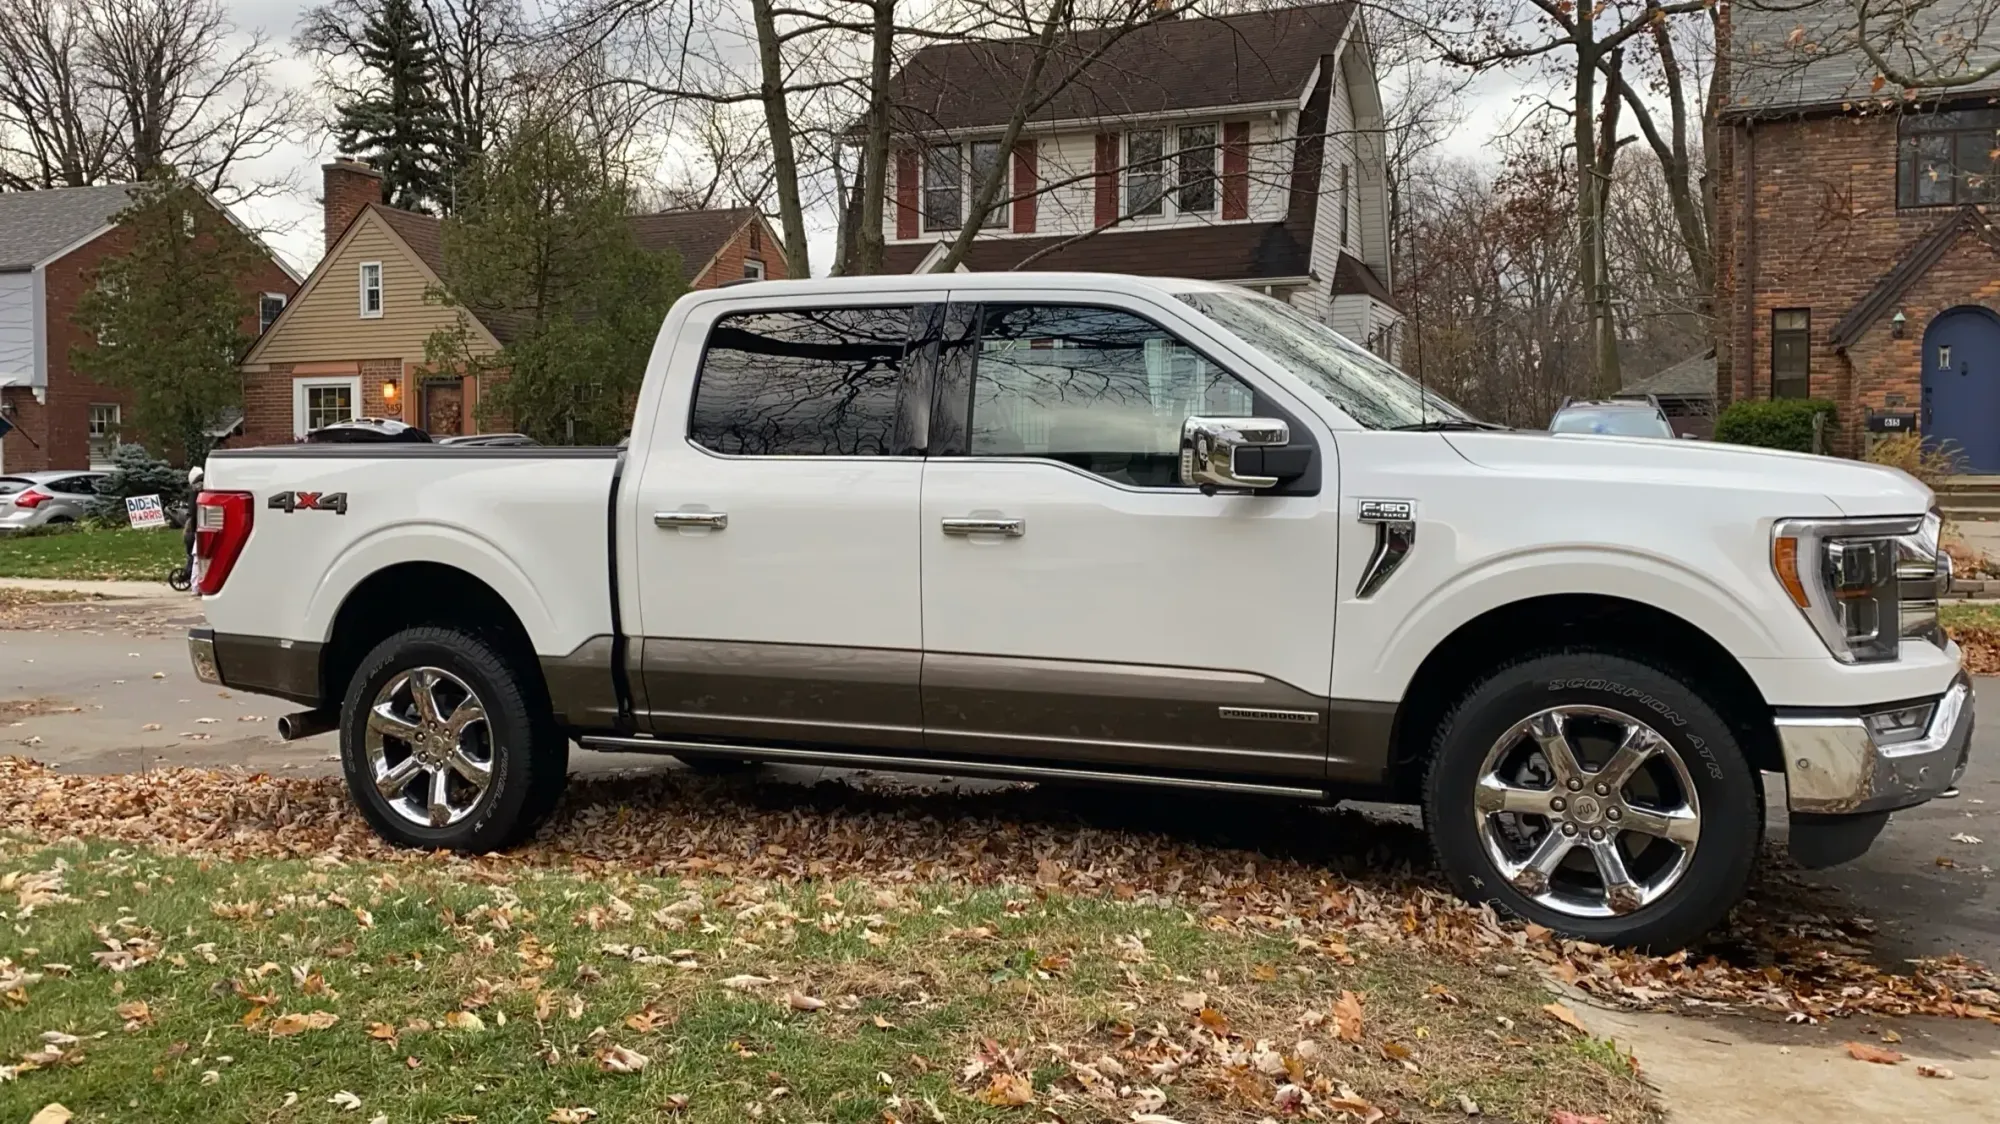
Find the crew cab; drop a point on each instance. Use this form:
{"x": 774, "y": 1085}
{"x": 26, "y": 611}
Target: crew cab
{"x": 1107, "y": 529}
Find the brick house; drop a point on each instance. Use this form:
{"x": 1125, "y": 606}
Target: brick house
{"x": 352, "y": 343}
{"x": 1245, "y": 148}
{"x": 51, "y": 244}
{"x": 1857, "y": 260}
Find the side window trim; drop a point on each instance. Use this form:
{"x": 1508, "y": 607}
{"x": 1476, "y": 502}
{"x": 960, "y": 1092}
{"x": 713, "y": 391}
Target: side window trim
{"x": 913, "y": 394}
{"x": 957, "y": 376}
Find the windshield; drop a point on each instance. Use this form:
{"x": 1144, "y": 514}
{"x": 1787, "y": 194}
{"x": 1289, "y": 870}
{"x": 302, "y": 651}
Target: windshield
{"x": 1366, "y": 387}
{"x": 1625, "y": 422}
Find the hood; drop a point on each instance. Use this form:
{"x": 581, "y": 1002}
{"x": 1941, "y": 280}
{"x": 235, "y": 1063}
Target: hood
{"x": 1854, "y": 487}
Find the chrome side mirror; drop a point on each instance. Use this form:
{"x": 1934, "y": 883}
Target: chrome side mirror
{"x": 1208, "y": 450}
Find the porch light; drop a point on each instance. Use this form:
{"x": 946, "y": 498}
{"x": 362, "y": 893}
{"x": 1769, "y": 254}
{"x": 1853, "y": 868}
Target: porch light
{"x": 1896, "y": 323}
{"x": 390, "y": 389}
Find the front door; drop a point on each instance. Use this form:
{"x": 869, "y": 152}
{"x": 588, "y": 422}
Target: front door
{"x": 1079, "y": 603}
{"x": 444, "y": 407}
{"x": 1961, "y": 387}
{"x": 776, "y": 541}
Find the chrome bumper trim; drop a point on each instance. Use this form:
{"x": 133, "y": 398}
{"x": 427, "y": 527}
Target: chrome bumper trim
{"x": 201, "y": 652}
{"x": 1833, "y": 765}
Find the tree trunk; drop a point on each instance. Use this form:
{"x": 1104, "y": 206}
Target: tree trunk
{"x": 784, "y": 159}
{"x": 868, "y": 239}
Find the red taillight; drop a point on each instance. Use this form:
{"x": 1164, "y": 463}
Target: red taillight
{"x": 32, "y": 498}
{"x": 222, "y": 526}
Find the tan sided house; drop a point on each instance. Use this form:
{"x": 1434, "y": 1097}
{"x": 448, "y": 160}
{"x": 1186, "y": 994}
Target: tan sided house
{"x": 352, "y": 343}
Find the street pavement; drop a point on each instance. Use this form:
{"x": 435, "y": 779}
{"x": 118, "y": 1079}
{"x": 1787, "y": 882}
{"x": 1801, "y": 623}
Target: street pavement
{"x": 112, "y": 692}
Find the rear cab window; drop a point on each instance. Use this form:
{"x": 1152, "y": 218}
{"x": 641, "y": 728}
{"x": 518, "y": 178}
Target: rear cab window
{"x": 810, "y": 382}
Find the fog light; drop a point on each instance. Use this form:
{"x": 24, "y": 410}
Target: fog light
{"x": 1903, "y": 724}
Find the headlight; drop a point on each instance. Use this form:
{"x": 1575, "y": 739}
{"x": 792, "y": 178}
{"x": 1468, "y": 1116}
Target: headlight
{"x": 1863, "y": 584}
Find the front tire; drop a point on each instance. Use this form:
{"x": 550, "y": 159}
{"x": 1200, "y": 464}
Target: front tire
{"x": 1596, "y": 795}
{"x": 446, "y": 743}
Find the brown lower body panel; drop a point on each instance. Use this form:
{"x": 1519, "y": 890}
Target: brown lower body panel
{"x": 803, "y": 693}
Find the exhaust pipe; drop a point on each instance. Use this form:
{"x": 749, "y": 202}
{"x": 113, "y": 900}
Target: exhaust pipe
{"x": 305, "y": 724}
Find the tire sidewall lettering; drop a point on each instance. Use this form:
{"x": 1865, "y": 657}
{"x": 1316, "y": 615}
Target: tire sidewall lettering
{"x": 1650, "y": 702}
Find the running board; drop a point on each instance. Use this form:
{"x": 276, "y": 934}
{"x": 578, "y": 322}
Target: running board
{"x": 1000, "y": 770}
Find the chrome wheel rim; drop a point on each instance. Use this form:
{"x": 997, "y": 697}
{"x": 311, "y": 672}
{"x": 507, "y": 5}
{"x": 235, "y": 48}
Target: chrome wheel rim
{"x": 430, "y": 748}
{"x": 1588, "y": 811}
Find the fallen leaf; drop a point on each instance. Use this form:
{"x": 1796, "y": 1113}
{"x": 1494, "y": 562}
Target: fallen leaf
{"x": 1559, "y": 1116}
{"x": 744, "y": 983}
{"x": 799, "y": 1001}
{"x": 1347, "y": 1017}
{"x": 1962, "y": 837}
{"x": 620, "y": 1059}
{"x": 150, "y": 726}
{"x": 345, "y": 1101}
{"x": 675, "y": 1102}
{"x": 577, "y": 1115}
{"x": 1863, "y": 1052}
{"x": 466, "y": 1021}
{"x": 1467, "y": 1105}
{"x": 382, "y": 1032}
{"x": 1937, "y": 1071}
{"x": 1008, "y": 1088}
{"x": 53, "y": 1113}
{"x": 882, "y": 1023}
{"x": 1565, "y": 1016}
{"x": 284, "y": 1026}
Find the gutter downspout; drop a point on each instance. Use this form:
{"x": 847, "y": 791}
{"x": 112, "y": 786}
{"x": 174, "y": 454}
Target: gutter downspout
{"x": 1748, "y": 283}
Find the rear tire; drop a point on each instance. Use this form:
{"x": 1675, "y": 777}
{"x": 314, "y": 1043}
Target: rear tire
{"x": 1651, "y": 848}
{"x": 486, "y": 769}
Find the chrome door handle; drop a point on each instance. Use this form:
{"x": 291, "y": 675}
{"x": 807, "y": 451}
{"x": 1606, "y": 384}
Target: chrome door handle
{"x": 713, "y": 520}
{"x": 1012, "y": 528}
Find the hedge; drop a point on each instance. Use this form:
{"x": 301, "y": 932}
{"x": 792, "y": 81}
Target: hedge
{"x": 1781, "y": 423}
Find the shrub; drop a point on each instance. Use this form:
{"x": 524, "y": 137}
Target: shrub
{"x": 1907, "y": 452}
{"x": 134, "y": 472}
{"x": 1781, "y": 423}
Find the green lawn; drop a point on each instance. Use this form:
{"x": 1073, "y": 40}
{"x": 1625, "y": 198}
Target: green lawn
{"x": 91, "y": 555}
{"x": 139, "y": 986}
{"x": 1969, "y": 614}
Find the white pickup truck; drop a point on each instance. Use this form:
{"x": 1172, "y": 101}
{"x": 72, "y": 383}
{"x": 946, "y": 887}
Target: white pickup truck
{"x": 1112, "y": 529}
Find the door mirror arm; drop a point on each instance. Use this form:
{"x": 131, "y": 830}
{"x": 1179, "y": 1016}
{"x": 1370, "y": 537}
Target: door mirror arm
{"x": 1209, "y": 448}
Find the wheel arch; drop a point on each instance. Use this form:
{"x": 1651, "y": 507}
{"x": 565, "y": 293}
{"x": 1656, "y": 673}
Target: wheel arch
{"x": 1568, "y": 621}
{"x": 416, "y": 594}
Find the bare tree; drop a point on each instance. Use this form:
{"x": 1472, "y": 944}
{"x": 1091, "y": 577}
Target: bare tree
{"x": 95, "y": 90}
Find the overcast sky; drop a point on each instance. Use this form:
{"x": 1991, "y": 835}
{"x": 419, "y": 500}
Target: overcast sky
{"x": 293, "y": 217}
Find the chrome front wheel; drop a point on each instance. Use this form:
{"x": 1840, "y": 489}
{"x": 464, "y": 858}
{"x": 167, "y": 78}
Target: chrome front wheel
{"x": 1588, "y": 811}
{"x": 429, "y": 747}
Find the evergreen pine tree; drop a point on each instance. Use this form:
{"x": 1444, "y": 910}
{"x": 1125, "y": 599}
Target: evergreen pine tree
{"x": 400, "y": 125}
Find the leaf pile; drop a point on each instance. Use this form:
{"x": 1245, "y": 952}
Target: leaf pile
{"x": 1315, "y": 879}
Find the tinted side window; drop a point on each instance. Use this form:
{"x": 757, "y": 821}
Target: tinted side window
{"x": 803, "y": 383}
{"x": 1097, "y": 388}
{"x": 76, "y": 486}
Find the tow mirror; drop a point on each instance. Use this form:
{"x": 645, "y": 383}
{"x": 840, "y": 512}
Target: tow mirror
{"x": 1209, "y": 447}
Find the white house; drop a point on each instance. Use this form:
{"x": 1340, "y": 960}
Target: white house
{"x": 1244, "y": 148}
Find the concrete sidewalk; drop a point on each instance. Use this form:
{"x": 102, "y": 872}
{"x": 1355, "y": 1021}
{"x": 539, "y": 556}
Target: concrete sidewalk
{"x": 94, "y": 588}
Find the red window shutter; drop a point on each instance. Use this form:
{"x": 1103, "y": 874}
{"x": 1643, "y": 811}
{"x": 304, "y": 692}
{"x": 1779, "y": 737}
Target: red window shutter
{"x": 1026, "y": 182}
{"x": 1107, "y": 178}
{"x": 1236, "y": 170}
{"x": 906, "y": 193}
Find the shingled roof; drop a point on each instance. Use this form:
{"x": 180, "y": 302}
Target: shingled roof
{"x": 37, "y": 225}
{"x": 1225, "y": 252}
{"x": 1254, "y": 58}
{"x": 1789, "y": 56}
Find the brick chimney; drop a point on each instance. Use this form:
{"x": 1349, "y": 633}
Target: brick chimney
{"x": 350, "y": 185}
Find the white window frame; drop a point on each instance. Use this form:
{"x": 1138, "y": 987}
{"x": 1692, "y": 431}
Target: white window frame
{"x": 999, "y": 220}
{"x": 753, "y": 268}
{"x": 381, "y": 301}
{"x": 300, "y": 387}
{"x": 1170, "y": 168}
{"x": 91, "y": 436}
{"x": 282, "y": 300}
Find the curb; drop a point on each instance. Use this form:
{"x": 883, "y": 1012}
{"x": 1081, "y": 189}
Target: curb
{"x": 113, "y": 589}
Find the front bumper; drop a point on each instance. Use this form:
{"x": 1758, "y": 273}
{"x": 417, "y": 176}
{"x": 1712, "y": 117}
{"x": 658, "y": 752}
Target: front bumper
{"x": 1835, "y": 766}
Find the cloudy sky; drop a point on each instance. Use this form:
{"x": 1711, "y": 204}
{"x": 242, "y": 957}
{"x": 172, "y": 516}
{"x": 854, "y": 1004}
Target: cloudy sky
{"x": 292, "y": 218}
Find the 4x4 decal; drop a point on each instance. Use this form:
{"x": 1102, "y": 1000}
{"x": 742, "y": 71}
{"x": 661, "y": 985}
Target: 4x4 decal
{"x": 335, "y": 502}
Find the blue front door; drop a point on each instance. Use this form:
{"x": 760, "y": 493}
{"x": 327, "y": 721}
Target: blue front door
{"x": 1961, "y": 387}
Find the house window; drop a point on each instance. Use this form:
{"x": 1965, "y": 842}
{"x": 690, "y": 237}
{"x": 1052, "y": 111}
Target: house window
{"x": 753, "y": 268}
{"x": 952, "y": 175}
{"x": 1194, "y": 170}
{"x": 268, "y": 307}
{"x": 321, "y": 402}
{"x": 371, "y": 289}
{"x": 944, "y": 188}
{"x": 1145, "y": 174}
{"x": 1344, "y": 205}
{"x": 1948, "y": 158}
{"x": 104, "y": 425}
{"x": 1791, "y": 363}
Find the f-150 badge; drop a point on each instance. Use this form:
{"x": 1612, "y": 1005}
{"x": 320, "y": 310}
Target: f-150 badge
{"x": 335, "y": 502}
{"x": 1395, "y": 534}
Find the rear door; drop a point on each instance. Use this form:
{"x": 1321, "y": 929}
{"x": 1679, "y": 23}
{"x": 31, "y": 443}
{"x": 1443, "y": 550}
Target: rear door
{"x": 777, "y": 532}
{"x": 1080, "y": 603}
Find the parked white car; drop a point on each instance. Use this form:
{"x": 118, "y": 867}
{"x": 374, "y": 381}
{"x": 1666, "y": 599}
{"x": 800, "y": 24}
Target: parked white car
{"x": 1117, "y": 530}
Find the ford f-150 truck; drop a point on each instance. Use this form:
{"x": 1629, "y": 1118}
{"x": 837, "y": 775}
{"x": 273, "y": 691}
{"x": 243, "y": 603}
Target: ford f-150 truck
{"x": 1111, "y": 529}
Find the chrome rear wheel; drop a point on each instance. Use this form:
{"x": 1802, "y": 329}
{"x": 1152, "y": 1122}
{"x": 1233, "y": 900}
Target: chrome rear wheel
{"x": 429, "y": 747}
